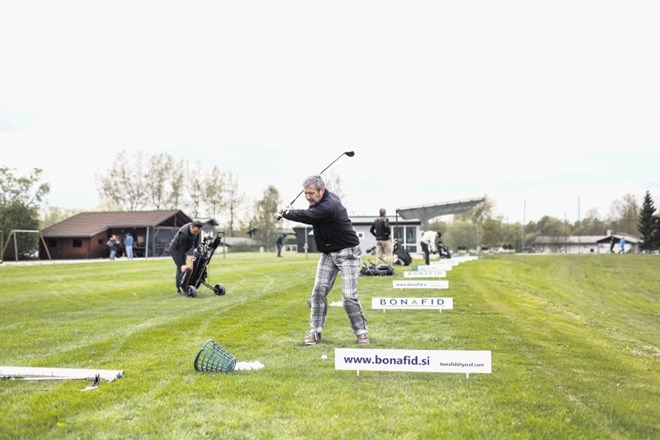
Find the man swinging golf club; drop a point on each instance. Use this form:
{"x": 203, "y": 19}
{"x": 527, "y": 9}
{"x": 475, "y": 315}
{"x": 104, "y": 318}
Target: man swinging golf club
{"x": 340, "y": 252}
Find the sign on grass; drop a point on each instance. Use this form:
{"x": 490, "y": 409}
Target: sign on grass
{"x": 420, "y": 284}
{"x": 421, "y": 361}
{"x": 425, "y": 274}
{"x": 412, "y": 303}
{"x": 432, "y": 267}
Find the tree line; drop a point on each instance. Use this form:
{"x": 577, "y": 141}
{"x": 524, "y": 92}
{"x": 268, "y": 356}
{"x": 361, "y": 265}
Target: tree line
{"x": 161, "y": 182}
{"x": 480, "y": 228}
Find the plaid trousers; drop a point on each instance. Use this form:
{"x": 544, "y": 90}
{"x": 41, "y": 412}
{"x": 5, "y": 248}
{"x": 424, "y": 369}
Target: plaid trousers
{"x": 346, "y": 262}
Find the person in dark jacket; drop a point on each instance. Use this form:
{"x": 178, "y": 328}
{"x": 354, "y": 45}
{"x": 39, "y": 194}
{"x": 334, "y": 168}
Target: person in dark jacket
{"x": 186, "y": 238}
{"x": 280, "y": 243}
{"x": 112, "y": 246}
{"x": 380, "y": 229}
{"x": 340, "y": 253}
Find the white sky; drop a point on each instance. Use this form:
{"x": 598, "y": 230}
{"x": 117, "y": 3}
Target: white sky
{"x": 534, "y": 104}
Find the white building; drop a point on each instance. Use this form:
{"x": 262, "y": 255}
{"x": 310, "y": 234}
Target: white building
{"x": 585, "y": 244}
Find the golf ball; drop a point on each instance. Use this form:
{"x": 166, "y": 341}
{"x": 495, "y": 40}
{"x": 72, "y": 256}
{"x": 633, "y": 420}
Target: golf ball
{"x": 324, "y": 357}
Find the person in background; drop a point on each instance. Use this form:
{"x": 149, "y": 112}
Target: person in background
{"x": 185, "y": 239}
{"x": 380, "y": 229}
{"x": 622, "y": 245}
{"x": 340, "y": 250}
{"x": 280, "y": 243}
{"x": 612, "y": 243}
{"x": 128, "y": 244}
{"x": 112, "y": 247}
{"x": 427, "y": 243}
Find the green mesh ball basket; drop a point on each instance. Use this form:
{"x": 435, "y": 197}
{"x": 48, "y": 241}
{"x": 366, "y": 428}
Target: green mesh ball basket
{"x": 213, "y": 358}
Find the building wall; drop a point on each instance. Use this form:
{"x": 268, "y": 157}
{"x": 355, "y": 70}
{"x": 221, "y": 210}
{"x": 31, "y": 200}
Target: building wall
{"x": 582, "y": 248}
{"x": 367, "y": 241}
{"x": 410, "y": 235}
{"x": 76, "y": 248}
{"x": 573, "y": 248}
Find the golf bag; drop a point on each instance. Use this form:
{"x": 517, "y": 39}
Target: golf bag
{"x": 376, "y": 271}
{"x": 443, "y": 251}
{"x": 401, "y": 255}
{"x": 197, "y": 273}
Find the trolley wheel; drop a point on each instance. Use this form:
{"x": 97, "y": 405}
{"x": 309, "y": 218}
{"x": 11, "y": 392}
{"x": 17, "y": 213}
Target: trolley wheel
{"x": 192, "y": 292}
{"x": 219, "y": 289}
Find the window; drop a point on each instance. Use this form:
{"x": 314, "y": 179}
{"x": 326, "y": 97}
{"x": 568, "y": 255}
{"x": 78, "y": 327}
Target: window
{"x": 407, "y": 237}
{"x": 77, "y": 242}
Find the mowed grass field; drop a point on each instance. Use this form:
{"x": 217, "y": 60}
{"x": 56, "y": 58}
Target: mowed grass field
{"x": 575, "y": 342}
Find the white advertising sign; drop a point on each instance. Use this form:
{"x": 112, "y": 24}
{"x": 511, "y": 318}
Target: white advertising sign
{"x": 432, "y": 267}
{"x": 412, "y": 303}
{"x": 420, "y": 284}
{"x": 421, "y": 361}
{"x": 425, "y": 274}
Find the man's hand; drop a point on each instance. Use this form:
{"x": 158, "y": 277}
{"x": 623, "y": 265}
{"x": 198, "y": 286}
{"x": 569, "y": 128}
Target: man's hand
{"x": 284, "y": 211}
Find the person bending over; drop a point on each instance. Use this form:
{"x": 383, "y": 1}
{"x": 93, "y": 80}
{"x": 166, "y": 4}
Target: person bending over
{"x": 427, "y": 242}
{"x": 185, "y": 239}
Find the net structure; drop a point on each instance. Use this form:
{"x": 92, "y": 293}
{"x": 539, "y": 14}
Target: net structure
{"x": 212, "y": 357}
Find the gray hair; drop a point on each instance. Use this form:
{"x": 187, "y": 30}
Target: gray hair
{"x": 315, "y": 180}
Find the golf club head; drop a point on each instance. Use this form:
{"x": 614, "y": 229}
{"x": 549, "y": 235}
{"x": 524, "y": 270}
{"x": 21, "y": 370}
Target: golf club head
{"x": 349, "y": 153}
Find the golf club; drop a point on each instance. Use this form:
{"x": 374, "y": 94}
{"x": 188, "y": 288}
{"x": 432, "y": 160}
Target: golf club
{"x": 347, "y": 153}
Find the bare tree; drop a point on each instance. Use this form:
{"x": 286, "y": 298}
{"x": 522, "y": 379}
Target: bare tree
{"x": 196, "y": 182}
{"x": 53, "y": 214}
{"x": 478, "y": 216}
{"x": 234, "y": 199}
{"x": 265, "y": 219}
{"x": 158, "y": 175}
{"x": 214, "y": 191}
{"x": 178, "y": 184}
{"x": 591, "y": 224}
{"x": 334, "y": 183}
{"x": 124, "y": 183}
{"x": 625, "y": 214}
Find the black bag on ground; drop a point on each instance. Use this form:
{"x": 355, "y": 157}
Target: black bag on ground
{"x": 376, "y": 271}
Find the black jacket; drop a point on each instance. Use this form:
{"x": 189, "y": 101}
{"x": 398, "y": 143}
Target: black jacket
{"x": 333, "y": 230}
{"x": 184, "y": 240}
{"x": 381, "y": 228}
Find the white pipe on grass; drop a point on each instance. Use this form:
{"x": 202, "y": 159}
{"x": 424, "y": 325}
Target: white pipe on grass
{"x": 59, "y": 373}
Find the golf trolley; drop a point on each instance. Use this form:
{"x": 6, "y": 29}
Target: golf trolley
{"x": 443, "y": 250}
{"x": 197, "y": 272}
{"x": 401, "y": 254}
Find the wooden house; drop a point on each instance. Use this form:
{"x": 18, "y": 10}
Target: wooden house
{"x": 84, "y": 235}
